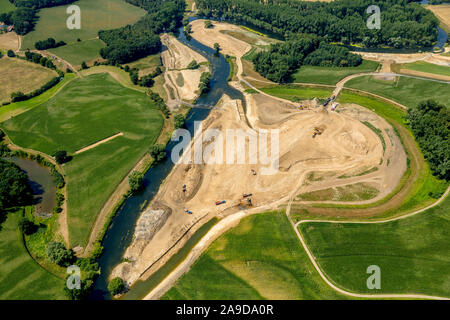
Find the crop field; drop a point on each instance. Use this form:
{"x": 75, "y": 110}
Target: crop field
{"x": 6, "y": 6}
{"x": 407, "y": 91}
{"x": 422, "y": 66}
{"x": 331, "y": 75}
{"x": 412, "y": 252}
{"x": 20, "y": 276}
{"x": 297, "y": 92}
{"x": 22, "y": 76}
{"x": 76, "y": 53}
{"x": 95, "y": 15}
{"x": 85, "y": 111}
{"x": 259, "y": 259}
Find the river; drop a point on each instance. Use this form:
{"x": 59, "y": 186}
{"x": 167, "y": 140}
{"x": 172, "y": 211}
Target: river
{"x": 120, "y": 234}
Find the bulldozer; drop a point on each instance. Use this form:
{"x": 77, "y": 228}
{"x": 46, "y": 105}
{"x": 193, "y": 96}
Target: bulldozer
{"x": 317, "y": 131}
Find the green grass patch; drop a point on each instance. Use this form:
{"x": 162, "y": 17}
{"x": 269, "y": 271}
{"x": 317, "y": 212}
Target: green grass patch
{"x": 259, "y": 259}
{"x": 412, "y": 253}
{"x": 407, "y": 91}
{"x": 378, "y": 132}
{"x": 6, "y": 6}
{"x": 88, "y": 110}
{"x": 423, "y": 66}
{"x": 77, "y": 52}
{"x": 17, "y": 108}
{"x": 331, "y": 75}
{"x": 21, "y": 278}
{"x": 95, "y": 15}
{"x": 297, "y": 93}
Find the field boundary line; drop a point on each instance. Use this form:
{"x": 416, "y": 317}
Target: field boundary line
{"x": 95, "y": 144}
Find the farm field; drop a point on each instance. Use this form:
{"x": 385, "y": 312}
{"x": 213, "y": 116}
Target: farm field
{"x": 95, "y": 15}
{"x": 412, "y": 252}
{"x": 297, "y": 92}
{"x": 422, "y": 66}
{"x": 261, "y": 258}
{"x": 84, "y": 112}
{"x": 76, "y": 53}
{"x": 331, "y": 75}
{"x": 442, "y": 12}
{"x": 22, "y": 76}
{"x": 407, "y": 91}
{"x": 20, "y": 276}
{"x": 6, "y": 6}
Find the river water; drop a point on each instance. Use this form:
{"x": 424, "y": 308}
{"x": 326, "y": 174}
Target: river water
{"x": 120, "y": 234}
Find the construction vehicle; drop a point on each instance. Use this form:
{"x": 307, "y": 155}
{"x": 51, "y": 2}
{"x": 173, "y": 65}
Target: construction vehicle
{"x": 218, "y": 203}
{"x": 187, "y": 211}
{"x": 327, "y": 102}
{"x": 254, "y": 172}
{"x": 246, "y": 204}
{"x": 246, "y": 195}
{"x": 184, "y": 188}
{"x": 334, "y": 106}
{"x": 317, "y": 131}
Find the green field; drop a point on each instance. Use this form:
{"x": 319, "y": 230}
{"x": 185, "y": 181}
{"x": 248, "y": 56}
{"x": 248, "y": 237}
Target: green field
{"x": 412, "y": 252}
{"x": 86, "y": 111}
{"x": 259, "y": 259}
{"x": 78, "y": 52}
{"x": 422, "y": 66}
{"x": 95, "y": 15}
{"x": 407, "y": 91}
{"x": 6, "y": 6}
{"x": 297, "y": 92}
{"x": 21, "y": 278}
{"x": 331, "y": 75}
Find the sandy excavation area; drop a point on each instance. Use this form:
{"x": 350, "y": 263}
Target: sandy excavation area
{"x": 181, "y": 83}
{"x": 346, "y": 146}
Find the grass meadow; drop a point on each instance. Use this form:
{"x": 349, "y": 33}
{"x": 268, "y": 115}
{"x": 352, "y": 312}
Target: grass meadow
{"x": 412, "y": 252}
{"x": 22, "y": 76}
{"x": 404, "y": 90}
{"x": 331, "y": 75}
{"x": 85, "y": 111}
{"x": 95, "y": 15}
{"x": 6, "y": 6}
{"x": 423, "y": 66}
{"x": 261, "y": 258}
{"x": 297, "y": 92}
{"x": 21, "y": 278}
{"x": 77, "y": 52}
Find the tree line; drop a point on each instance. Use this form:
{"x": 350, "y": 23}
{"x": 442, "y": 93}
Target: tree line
{"x": 141, "y": 39}
{"x": 404, "y": 24}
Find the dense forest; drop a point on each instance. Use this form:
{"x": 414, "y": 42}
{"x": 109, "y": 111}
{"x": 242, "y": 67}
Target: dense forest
{"x": 430, "y": 123}
{"x": 282, "y": 59}
{"x": 403, "y": 22}
{"x": 132, "y": 42}
{"x": 14, "y": 187}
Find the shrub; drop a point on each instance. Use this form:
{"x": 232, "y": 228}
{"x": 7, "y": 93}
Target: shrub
{"x": 158, "y": 152}
{"x": 116, "y": 286}
{"x": 60, "y": 157}
{"x": 27, "y": 227}
{"x": 136, "y": 181}
{"x": 193, "y": 65}
{"x": 58, "y": 254}
{"x": 179, "y": 121}
{"x": 11, "y": 53}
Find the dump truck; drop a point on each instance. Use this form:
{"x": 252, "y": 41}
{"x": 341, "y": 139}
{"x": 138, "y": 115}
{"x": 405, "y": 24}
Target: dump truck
{"x": 218, "y": 203}
{"x": 327, "y": 102}
{"x": 246, "y": 195}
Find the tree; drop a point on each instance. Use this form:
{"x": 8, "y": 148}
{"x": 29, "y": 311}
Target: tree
{"x": 217, "y": 47}
{"x": 179, "y": 121}
{"x": 193, "y": 65}
{"x": 84, "y": 65}
{"x": 61, "y": 157}
{"x": 14, "y": 187}
{"x": 158, "y": 152}
{"x": 116, "y": 286}
{"x": 58, "y": 254}
{"x": 11, "y": 53}
{"x": 205, "y": 79}
{"x": 136, "y": 181}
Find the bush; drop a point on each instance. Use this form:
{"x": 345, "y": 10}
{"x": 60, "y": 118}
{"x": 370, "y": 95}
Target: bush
{"x": 27, "y": 227}
{"x": 136, "y": 181}
{"x": 61, "y": 157}
{"x": 158, "y": 152}
{"x": 11, "y": 53}
{"x": 193, "y": 65}
{"x": 116, "y": 286}
{"x": 84, "y": 65}
{"x": 57, "y": 253}
{"x": 179, "y": 121}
